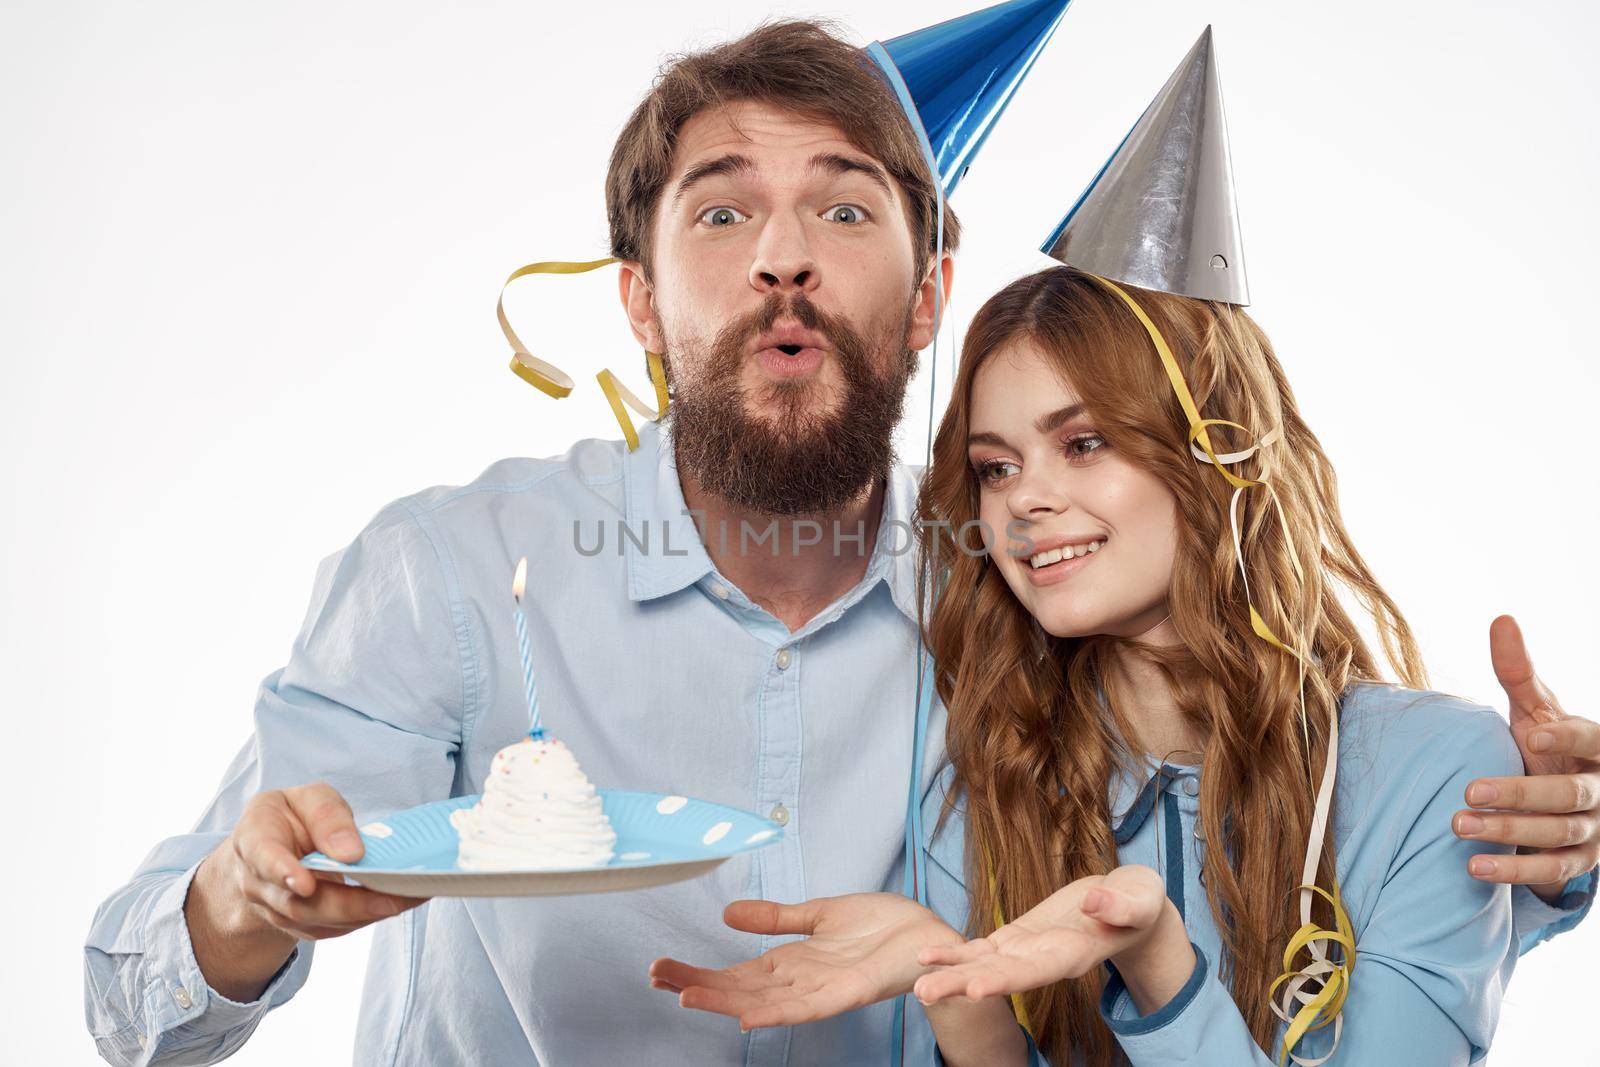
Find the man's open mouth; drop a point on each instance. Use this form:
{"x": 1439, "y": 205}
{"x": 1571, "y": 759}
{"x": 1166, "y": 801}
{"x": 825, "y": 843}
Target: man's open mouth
{"x": 789, "y": 338}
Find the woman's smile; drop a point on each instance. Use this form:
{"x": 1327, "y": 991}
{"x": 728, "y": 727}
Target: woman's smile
{"x": 1054, "y": 561}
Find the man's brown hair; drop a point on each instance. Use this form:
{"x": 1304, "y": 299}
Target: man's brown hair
{"x": 798, "y": 65}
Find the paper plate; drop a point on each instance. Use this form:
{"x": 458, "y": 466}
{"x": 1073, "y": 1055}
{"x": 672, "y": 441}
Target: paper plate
{"x": 660, "y": 839}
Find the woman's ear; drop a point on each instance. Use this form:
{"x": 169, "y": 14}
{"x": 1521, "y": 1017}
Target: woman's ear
{"x": 639, "y": 304}
{"x": 923, "y": 326}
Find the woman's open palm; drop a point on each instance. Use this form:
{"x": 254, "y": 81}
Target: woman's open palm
{"x": 859, "y": 949}
{"x": 1069, "y": 933}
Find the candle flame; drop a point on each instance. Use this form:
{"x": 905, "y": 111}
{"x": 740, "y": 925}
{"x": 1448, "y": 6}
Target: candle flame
{"x": 520, "y": 582}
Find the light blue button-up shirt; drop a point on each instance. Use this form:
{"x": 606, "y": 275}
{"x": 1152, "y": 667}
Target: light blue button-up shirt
{"x": 663, "y": 676}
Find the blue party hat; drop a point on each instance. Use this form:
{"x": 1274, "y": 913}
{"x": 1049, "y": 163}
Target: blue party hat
{"x": 955, "y": 79}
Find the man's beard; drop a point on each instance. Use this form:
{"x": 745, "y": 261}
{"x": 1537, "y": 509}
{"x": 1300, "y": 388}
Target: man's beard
{"x": 790, "y": 460}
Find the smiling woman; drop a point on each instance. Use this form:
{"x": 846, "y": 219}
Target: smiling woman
{"x": 1107, "y": 630}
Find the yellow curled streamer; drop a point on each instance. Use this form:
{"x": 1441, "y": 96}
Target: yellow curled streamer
{"x": 1324, "y": 1007}
{"x": 555, "y": 382}
{"x": 618, "y": 394}
{"x": 1333, "y": 978}
{"x": 1198, "y": 435}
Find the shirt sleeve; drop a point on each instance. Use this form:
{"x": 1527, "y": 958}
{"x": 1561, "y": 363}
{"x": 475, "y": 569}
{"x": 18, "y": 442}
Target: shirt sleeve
{"x": 1538, "y": 921}
{"x": 374, "y": 700}
{"x": 1432, "y": 961}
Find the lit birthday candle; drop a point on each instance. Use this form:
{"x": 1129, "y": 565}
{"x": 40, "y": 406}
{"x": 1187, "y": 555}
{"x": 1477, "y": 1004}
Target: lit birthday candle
{"x": 518, "y": 584}
{"x": 538, "y": 810}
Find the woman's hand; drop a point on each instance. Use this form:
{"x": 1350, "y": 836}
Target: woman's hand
{"x": 860, "y": 949}
{"x": 1124, "y": 917}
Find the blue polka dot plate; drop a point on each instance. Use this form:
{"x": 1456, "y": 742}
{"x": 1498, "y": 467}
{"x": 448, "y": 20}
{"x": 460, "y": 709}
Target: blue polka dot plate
{"x": 660, "y": 839}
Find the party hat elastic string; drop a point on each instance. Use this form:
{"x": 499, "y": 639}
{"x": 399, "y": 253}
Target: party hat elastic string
{"x": 916, "y": 882}
{"x": 554, "y": 382}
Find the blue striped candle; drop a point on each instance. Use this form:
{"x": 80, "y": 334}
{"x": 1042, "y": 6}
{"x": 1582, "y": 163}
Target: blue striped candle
{"x": 518, "y": 584}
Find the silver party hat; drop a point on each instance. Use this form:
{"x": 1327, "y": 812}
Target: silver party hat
{"x": 1161, "y": 213}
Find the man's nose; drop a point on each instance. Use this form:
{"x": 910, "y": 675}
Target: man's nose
{"x": 783, "y": 260}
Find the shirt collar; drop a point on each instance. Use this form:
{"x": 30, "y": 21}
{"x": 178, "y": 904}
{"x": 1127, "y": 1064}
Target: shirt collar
{"x": 661, "y": 542}
{"x": 896, "y": 549}
{"x": 1134, "y": 791}
{"x": 662, "y": 545}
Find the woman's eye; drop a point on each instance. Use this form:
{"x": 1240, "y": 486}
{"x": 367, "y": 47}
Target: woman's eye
{"x": 992, "y": 472}
{"x": 1084, "y": 445}
{"x": 723, "y": 216}
{"x": 848, "y": 214}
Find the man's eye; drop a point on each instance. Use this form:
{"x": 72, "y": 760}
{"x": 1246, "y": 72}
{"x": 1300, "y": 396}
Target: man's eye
{"x": 849, "y": 214}
{"x": 723, "y": 216}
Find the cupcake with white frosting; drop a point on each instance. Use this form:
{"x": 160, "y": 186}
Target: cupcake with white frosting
{"x": 538, "y": 812}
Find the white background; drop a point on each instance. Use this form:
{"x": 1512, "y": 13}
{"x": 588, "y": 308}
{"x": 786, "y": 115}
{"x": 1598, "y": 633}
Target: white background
{"x": 250, "y": 260}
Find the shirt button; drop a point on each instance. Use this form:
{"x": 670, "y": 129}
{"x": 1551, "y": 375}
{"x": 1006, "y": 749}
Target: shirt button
{"x": 1191, "y": 787}
{"x": 783, "y": 659}
{"x": 719, "y": 590}
{"x": 780, "y": 815}
{"x": 181, "y": 995}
